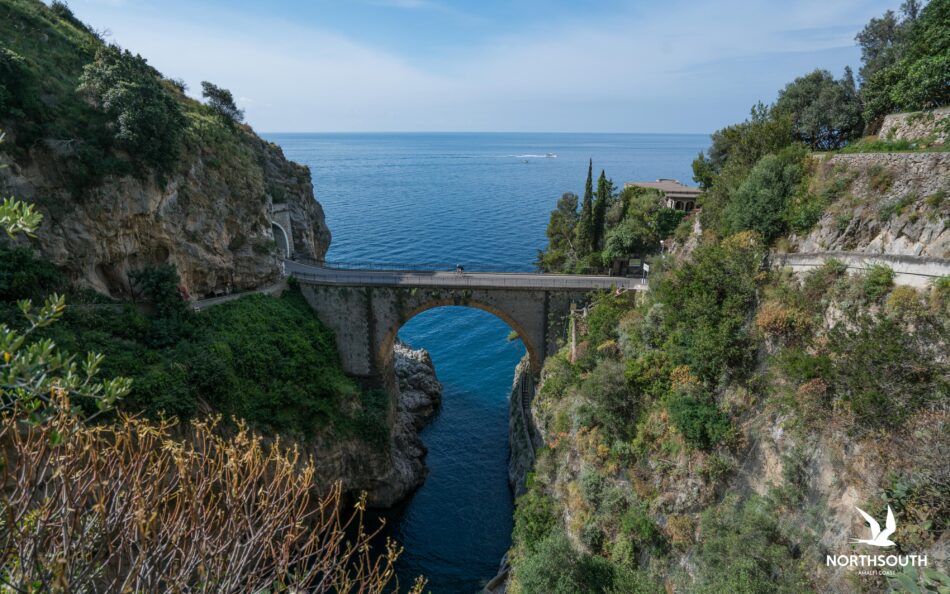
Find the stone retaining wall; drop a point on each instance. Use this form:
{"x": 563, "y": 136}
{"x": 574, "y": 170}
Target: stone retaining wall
{"x": 916, "y": 125}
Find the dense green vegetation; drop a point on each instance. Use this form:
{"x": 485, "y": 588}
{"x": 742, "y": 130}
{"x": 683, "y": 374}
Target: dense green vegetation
{"x": 100, "y": 110}
{"x": 661, "y": 393}
{"x": 906, "y": 60}
{"x": 608, "y": 227}
{"x": 266, "y": 360}
{"x": 665, "y": 397}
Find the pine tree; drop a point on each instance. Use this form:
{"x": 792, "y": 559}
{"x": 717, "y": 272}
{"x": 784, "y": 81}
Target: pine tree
{"x": 605, "y": 189}
{"x": 585, "y": 227}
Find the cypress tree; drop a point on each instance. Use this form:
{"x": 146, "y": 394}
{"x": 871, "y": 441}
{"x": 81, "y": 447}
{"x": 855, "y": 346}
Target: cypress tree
{"x": 585, "y": 227}
{"x": 604, "y": 192}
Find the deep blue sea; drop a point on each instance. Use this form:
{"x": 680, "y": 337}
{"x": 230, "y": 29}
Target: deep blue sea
{"x": 469, "y": 199}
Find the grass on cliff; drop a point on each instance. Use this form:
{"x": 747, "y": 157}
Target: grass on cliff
{"x": 267, "y": 360}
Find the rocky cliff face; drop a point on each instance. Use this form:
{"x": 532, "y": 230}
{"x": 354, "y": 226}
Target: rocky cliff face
{"x": 888, "y": 202}
{"x": 390, "y": 476}
{"x": 894, "y": 203}
{"x": 523, "y": 438}
{"x": 211, "y": 218}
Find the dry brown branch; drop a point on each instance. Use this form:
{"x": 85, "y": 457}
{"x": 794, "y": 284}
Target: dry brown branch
{"x": 131, "y": 508}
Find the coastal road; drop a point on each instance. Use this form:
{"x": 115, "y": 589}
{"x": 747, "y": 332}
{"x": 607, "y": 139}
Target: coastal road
{"x": 451, "y": 280}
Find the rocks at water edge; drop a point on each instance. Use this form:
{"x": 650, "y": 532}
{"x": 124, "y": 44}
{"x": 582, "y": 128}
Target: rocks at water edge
{"x": 420, "y": 392}
{"x": 420, "y": 395}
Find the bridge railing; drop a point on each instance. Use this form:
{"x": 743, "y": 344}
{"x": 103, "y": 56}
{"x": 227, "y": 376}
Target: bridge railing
{"x": 419, "y": 266}
{"x": 441, "y": 279}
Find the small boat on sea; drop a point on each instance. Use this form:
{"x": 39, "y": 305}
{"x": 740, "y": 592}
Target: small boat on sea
{"x": 550, "y": 156}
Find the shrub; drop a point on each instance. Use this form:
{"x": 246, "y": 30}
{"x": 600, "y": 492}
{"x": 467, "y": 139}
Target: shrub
{"x": 818, "y": 283}
{"x": 760, "y": 204}
{"x": 812, "y": 399}
{"x": 637, "y": 525}
{"x": 701, "y": 424}
{"x": 936, "y": 200}
{"x": 592, "y": 536}
{"x": 782, "y": 321}
{"x": 555, "y": 568}
{"x": 880, "y": 179}
{"x": 905, "y": 301}
{"x": 592, "y": 486}
{"x": 801, "y": 366}
{"x": 706, "y": 303}
{"x": 158, "y": 285}
{"x": 23, "y": 275}
{"x": 604, "y": 316}
{"x": 636, "y": 582}
{"x": 534, "y": 519}
{"x": 681, "y": 530}
{"x": 147, "y": 121}
{"x": 613, "y": 405}
{"x": 13, "y": 77}
{"x": 744, "y": 551}
{"x": 884, "y": 371}
{"x": 878, "y": 281}
{"x": 244, "y": 516}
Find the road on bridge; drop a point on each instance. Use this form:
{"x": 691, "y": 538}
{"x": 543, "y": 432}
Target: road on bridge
{"x": 452, "y": 280}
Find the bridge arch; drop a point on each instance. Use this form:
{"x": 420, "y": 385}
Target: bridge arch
{"x": 282, "y": 239}
{"x": 384, "y": 355}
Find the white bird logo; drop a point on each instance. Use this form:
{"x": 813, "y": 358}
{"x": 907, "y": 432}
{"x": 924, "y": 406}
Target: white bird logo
{"x": 879, "y": 538}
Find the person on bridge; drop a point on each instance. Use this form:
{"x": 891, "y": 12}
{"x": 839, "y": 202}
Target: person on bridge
{"x": 459, "y": 269}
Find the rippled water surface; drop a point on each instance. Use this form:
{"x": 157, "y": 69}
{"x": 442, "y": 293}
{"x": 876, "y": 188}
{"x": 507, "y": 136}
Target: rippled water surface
{"x": 470, "y": 199}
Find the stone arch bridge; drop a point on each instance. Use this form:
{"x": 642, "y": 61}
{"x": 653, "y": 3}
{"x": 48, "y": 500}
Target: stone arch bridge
{"x": 366, "y": 308}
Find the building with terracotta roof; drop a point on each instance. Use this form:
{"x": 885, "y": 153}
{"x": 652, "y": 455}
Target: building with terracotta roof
{"x": 677, "y": 195}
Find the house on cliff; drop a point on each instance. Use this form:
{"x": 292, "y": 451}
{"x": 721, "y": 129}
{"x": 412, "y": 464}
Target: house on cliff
{"x": 676, "y": 195}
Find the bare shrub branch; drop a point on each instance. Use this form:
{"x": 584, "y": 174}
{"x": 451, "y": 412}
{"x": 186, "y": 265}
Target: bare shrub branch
{"x": 131, "y": 507}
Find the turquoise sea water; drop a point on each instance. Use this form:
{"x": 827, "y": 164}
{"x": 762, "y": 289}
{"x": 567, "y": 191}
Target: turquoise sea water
{"x": 470, "y": 199}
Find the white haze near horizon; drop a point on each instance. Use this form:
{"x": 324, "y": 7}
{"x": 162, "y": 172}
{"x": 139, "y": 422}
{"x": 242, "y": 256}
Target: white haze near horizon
{"x": 681, "y": 67}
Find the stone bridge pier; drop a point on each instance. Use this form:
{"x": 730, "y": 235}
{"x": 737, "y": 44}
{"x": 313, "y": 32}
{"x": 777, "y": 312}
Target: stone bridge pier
{"x": 366, "y": 319}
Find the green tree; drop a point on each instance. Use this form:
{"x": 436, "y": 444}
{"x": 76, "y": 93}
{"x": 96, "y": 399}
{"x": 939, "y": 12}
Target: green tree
{"x": 907, "y": 68}
{"x": 880, "y": 42}
{"x": 222, "y": 101}
{"x": 147, "y": 120}
{"x": 561, "y": 254}
{"x": 645, "y": 222}
{"x": 734, "y": 151}
{"x": 761, "y": 201}
{"x": 826, "y": 113}
{"x": 605, "y": 190}
{"x": 585, "y": 227}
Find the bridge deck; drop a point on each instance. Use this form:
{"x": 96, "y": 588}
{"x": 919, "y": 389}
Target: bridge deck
{"x": 450, "y": 280}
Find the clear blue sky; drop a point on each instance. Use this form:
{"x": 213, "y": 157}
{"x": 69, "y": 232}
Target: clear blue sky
{"x": 489, "y": 65}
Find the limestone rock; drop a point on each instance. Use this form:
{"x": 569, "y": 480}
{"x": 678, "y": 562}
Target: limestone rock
{"x": 917, "y": 126}
{"x": 893, "y": 203}
{"x": 420, "y": 395}
{"x": 388, "y": 476}
{"x": 211, "y": 217}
